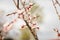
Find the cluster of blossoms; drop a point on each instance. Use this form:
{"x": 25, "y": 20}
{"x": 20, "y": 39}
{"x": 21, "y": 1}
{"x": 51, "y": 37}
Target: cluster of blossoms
{"x": 23, "y": 14}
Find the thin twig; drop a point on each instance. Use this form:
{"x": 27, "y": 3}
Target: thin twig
{"x": 11, "y": 14}
{"x": 57, "y": 2}
{"x": 17, "y": 4}
{"x": 56, "y": 8}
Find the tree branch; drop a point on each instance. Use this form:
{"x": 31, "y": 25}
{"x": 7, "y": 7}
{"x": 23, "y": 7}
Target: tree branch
{"x": 56, "y": 8}
{"x": 57, "y": 2}
{"x": 33, "y": 33}
{"x": 11, "y": 14}
{"x": 17, "y": 4}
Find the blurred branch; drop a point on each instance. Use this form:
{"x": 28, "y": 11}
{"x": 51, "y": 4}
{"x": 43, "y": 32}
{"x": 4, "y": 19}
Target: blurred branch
{"x": 17, "y": 4}
{"x": 11, "y": 14}
{"x": 57, "y": 2}
{"x": 56, "y": 7}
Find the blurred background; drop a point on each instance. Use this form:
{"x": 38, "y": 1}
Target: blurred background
{"x": 50, "y": 20}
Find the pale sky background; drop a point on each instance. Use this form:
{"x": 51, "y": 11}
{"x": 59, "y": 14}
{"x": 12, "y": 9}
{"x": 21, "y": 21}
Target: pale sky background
{"x": 50, "y": 17}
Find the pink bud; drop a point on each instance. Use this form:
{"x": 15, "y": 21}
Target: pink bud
{"x": 37, "y": 27}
